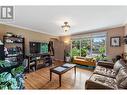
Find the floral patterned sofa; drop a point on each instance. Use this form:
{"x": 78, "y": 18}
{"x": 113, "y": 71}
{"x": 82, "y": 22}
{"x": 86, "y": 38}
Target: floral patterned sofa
{"x": 108, "y": 75}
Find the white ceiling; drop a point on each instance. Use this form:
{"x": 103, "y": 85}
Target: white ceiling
{"x": 49, "y": 19}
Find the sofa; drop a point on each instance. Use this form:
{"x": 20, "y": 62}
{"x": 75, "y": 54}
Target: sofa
{"x": 88, "y": 61}
{"x": 108, "y": 75}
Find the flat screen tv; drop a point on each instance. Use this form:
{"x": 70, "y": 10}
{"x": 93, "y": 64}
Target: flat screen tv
{"x": 38, "y": 47}
{"x": 34, "y": 47}
{"x": 44, "y": 47}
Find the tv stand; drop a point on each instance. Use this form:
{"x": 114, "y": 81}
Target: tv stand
{"x": 35, "y": 58}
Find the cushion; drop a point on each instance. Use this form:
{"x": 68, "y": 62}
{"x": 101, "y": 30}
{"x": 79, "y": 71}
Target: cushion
{"x": 121, "y": 76}
{"x": 123, "y": 84}
{"x": 105, "y": 71}
{"x": 118, "y": 65}
{"x": 90, "y": 59}
{"x": 103, "y": 80}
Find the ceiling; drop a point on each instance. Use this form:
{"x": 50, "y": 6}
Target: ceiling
{"x": 49, "y": 19}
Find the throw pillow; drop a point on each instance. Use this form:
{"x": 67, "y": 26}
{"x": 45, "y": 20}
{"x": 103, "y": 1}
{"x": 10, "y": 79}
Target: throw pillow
{"x": 118, "y": 65}
{"x": 79, "y": 57}
{"x": 88, "y": 59}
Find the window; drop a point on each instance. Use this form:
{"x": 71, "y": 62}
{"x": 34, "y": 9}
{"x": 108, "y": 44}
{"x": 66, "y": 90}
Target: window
{"x": 93, "y": 45}
{"x": 98, "y": 45}
{"x": 75, "y": 48}
{"x": 85, "y": 47}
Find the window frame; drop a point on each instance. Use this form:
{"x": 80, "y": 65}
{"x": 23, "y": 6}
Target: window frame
{"x": 91, "y": 42}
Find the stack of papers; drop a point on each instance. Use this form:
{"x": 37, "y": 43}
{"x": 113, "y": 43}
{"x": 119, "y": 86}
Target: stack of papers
{"x": 60, "y": 69}
{"x": 68, "y": 65}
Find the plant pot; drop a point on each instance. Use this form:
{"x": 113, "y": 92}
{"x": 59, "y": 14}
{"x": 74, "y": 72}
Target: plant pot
{"x": 67, "y": 59}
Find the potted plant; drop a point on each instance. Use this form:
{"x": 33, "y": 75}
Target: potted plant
{"x": 7, "y": 81}
{"x": 13, "y": 79}
{"x": 67, "y": 56}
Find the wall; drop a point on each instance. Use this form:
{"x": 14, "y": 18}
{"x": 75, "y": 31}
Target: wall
{"x": 111, "y": 51}
{"x": 59, "y": 49}
{"x": 63, "y": 41}
{"x": 29, "y": 35}
{"x": 125, "y": 46}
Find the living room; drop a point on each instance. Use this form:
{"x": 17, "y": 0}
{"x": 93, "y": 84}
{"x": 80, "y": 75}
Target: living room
{"x": 73, "y": 55}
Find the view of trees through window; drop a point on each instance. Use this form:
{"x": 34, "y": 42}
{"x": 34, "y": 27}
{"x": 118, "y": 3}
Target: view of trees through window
{"x": 85, "y": 47}
{"x": 98, "y": 43}
{"x": 88, "y": 46}
{"x": 76, "y": 48}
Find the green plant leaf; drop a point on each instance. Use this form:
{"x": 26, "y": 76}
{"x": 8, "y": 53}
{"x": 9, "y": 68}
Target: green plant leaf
{"x": 17, "y": 70}
{"x": 3, "y": 87}
{"x": 5, "y": 76}
{"x": 13, "y": 83}
{"x": 4, "y": 64}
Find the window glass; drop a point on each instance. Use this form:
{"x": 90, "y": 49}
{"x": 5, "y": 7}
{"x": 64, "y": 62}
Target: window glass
{"x": 98, "y": 45}
{"x": 85, "y": 47}
{"x": 92, "y": 46}
{"x": 75, "y": 48}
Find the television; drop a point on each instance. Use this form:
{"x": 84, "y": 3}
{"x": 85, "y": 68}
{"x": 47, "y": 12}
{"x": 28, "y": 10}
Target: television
{"x": 34, "y": 47}
{"x": 44, "y": 47}
{"x": 38, "y": 47}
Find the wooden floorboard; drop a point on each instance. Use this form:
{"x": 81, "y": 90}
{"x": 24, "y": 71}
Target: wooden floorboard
{"x": 40, "y": 79}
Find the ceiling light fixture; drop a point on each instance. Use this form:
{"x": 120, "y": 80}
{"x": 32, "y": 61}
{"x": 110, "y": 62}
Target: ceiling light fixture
{"x": 66, "y": 27}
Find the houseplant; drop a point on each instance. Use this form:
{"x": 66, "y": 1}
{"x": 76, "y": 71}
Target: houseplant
{"x": 7, "y": 81}
{"x": 11, "y": 79}
{"x": 67, "y": 56}
{"x": 4, "y": 64}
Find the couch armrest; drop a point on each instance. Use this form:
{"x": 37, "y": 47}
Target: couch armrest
{"x": 94, "y": 85}
{"x": 106, "y": 64}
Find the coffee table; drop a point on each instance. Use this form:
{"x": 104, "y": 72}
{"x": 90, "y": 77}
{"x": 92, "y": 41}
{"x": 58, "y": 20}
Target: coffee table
{"x": 61, "y": 70}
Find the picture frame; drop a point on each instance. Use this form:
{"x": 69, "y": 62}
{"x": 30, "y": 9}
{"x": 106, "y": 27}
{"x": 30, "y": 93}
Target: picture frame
{"x": 115, "y": 41}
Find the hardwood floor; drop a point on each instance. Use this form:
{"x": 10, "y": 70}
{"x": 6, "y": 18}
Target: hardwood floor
{"x": 40, "y": 79}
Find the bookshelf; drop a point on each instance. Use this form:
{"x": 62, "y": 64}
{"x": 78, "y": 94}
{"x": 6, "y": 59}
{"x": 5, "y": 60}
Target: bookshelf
{"x": 14, "y": 48}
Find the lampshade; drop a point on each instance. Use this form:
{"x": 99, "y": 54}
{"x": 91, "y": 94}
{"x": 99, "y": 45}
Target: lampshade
{"x": 65, "y": 27}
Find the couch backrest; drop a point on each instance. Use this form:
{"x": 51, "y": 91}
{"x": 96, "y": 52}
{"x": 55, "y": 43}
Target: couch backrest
{"x": 121, "y": 78}
{"x": 119, "y": 64}
{"x": 121, "y": 73}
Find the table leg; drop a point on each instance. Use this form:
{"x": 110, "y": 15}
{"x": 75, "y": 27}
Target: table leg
{"x": 50, "y": 75}
{"x": 60, "y": 80}
{"x": 28, "y": 64}
{"x": 35, "y": 65}
{"x": 75, "y": 70}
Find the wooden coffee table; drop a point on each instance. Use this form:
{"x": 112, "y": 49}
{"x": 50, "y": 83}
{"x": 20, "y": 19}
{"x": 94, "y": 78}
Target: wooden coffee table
{"x": 61, "y": 70}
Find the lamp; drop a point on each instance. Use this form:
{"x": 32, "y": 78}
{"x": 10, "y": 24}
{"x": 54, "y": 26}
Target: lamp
{"x": 65, "y": 27}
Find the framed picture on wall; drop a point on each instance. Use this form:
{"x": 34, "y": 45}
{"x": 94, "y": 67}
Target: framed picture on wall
{"x": 115, "y": 41}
